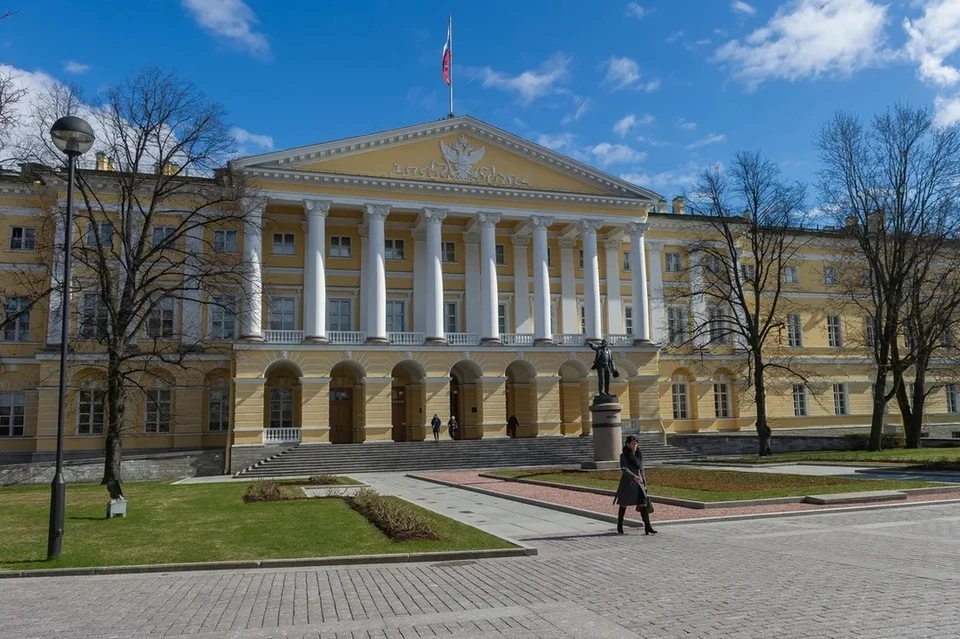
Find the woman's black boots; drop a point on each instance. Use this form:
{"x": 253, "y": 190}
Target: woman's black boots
{"x": 647, "y": 528}
{"x": 620, "y": 514}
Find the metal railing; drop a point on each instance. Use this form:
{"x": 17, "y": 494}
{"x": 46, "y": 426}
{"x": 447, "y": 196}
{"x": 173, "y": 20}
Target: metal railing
{"x": 283, "y": 337}
{"x": 517, "y": 339}
{"x": 346, "y": 337}
{"x": 407, "y": 339}
{"x": 281, "y": 435}
{"x": 463, "y": 339}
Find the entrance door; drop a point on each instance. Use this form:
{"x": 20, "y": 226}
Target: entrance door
{"x": 341, "y": 415}
{"x": 399, "y": 419}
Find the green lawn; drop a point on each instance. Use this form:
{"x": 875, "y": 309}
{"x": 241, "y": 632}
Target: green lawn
{"x": 934, "y": 458}
{"x": 200, "y": 522}
{"x": 715, "y": 485}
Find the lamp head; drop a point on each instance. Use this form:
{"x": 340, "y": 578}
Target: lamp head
{"x": 72, "y": 135}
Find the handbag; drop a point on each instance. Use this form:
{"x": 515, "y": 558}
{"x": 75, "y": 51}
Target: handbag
{"x": 646, "y": 497}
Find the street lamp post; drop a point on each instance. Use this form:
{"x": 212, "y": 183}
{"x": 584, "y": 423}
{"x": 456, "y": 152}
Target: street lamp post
{"x": 74, "y": 137}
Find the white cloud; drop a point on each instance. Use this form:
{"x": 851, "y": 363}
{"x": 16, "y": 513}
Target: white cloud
{"x": 607, "y": 154}
{"x": 946, "y": 110}
{"x": 231, "y": 20}
{"x": 810, "y": 38}
{"x": 622, "y": 126}
{"x": 531, "y": 84}
{"x": 713, "y": 138}
{"x": 624, "y": 73}
{"x": 650, "y": 86}
{"x": 634, "y": 10}
{"x": 739, "y": 6}
{"x": 651, "y": 141}
{"x": 245, "y": 138}
{"x": 676, "y": 35}
{"x": 686, "y": 125}
{"x": 932, "y": 38}
{"x": 556, "y": 141}
{"x": 583, "y": 105}
{"x": 676, "y": 180}
{"x": 75, "y": 68}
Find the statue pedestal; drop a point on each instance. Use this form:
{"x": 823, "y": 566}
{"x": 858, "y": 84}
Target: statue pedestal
{"x": 607, "y": 438}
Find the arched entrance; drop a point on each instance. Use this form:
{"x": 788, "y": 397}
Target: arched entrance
{"x": 407, "y": 402}
{"x": 521, "y": 397}
{"x": 464, "y": 403}
{"x": 281, "y": 400}
{"x": 574, "y": 398}
{"x": 346, "y": 402}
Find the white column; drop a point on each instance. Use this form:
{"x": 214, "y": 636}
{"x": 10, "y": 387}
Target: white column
{"x": 614, "y": 302}
{"x": 190, "y": 330}
{"x": 314, "y": 274}
{"x": 568, "y": 288}
{"x": 364, "y": 301}
{"x": 521, "y": 284}
{"x": 489, "y": 292}
{"x": 376, "y": 282}
{"x": 638, "y": 276}
{"x": 252, "y": 324}
{"x": 58, "y": 295}
{"x": 701, "y": 337}
{"x": 433, "y": 219}
{"x": 542, "y": 331}
{"x": 471, "y": 258}
{"x": 591, "y": 280}
{"x": 658, "y": 306}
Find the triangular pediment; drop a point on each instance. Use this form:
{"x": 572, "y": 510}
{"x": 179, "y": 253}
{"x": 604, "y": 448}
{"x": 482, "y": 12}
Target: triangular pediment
{"x": 460, "y": 150}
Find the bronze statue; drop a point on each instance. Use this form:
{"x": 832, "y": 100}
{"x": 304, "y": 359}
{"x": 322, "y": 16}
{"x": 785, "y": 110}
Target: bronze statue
{"x": 603, "y": 364}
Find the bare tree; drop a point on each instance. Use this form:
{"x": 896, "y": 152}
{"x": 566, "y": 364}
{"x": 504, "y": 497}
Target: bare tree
{"x": 893, "y": 185}
{"x": 10, "y": 94}
{"x": 146, "y": 242}
{"x": 751, "y": 223}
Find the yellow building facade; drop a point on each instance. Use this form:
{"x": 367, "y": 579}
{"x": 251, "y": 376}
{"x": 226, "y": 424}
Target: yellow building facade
{"x": 448, "y": 268}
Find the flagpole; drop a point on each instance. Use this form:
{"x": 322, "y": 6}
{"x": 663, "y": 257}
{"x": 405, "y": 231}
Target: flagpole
{"x": 450, "y": 29}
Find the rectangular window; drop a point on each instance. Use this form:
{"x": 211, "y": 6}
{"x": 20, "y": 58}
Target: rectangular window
{"x": 721, "y": 400}
{"x": 583, "y": 319}
{"x": 948, "y": 339}
{"x": 161, "y": 318}
{"x": 678, "y": 391}
{"x": 158, "y": 411}
{"x": 549, "y": 258}
{"x": 554, "y": 314}
{"x": 99, "y": 234}
{"x": 626, "y": 260}
{"x": 396, "y": 316}
{"x": 92, "y": 323}
{"x": 225, "y": 241}
{"x": 581, "y": 260}
{"x": 451, "y": 317}
{"x": 830, "y": 276}
{"x": 674, "y": 262}
{"x": 449, "y": 252}
{"x": 870, "y": 332}
{"x": 223, "y": 317}
{"x": 840, "y": 404}
{"x": 501, "y": 257}
{"x": 749, "y": 273}
{"x": 502, "y": 318}
{"x": 281, "y": 408}
{"x": 90, "y": 414}
{"x": 628, "y": 319}
{"x": 12, "y": 414}
{"x": 339, "y": 246}
{"x": 218, "y": 411}
{"x": 953, "y": 399}
{"x": 393, "y": 249}
{"x": 794, "y": 331}
{"x": 340, "y": 314}
{"x": 283, "y": 244}
{"x": 719, "y": 332}
{"x": 834, "y": 332}
{"x": 16, "y": 317}
{"x": 791, "y": 275}
{"x": 714, "y": 265}
{"x": 23, "y": 238}
{"x": 676, "y": 325}
{"x": 162, "y": 235}
{"x": 799, "y": 400}
{"x": 283, "y": 314}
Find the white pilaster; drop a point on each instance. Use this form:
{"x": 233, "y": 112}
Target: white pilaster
{"x": 364, "y": 301}
{"x": 419, "y": 279}
{"x": 698, "y": 306}
{"x": 58, "y": 293}
{"x": 471, "y": 257}
{"x": 542, "y": 320}
{"x": 658, "y": 306}
{"x": 190, "y": 329}
{"x": 614, "y": 302}
{"x": 433, "y": 219}
{"x": 489, "y": 291}
{"x": 376, "y": 215}
{"x": 568, "y": 288}
{"x": 638, "y": 276}
{"x": 591, "y": 279}
{"x": 252, "y": 322}
{"x": 314, "y": 274}
{"x": 521, "y": 284}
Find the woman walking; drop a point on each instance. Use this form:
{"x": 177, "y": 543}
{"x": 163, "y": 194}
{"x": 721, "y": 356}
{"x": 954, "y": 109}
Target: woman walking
{"x": 632, "y": 490}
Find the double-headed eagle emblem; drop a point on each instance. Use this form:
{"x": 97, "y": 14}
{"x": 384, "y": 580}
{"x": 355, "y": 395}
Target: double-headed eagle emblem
{"x": 461, "y": 156}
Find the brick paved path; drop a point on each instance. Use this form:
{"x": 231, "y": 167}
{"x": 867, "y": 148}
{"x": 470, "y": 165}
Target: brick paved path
{"x": 875, "y": 574}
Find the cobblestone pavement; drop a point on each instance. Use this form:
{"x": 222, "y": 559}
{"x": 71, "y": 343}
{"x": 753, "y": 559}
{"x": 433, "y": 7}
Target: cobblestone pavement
{"x": 881, "y": 573}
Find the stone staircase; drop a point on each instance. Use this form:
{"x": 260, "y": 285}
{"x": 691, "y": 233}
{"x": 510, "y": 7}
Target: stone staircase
{"x": 313, "y": 459}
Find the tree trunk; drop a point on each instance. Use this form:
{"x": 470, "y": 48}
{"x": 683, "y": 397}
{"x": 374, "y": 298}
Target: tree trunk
{"x": 911, "y": 412}
{"x": 760, "y": 398}
{"x": 879, "y": 404}
{"x": 116, "y": 402}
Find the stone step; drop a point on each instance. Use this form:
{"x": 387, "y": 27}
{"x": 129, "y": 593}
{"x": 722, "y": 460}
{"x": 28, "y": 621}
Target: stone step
{"x": 855, "y": 498}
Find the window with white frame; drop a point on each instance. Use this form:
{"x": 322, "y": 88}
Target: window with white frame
{"x": 830, "y": 276}
{"x": 676, "y": 325}
{"x": 281, "y": 408}
{"x": 92, "y": 321}
{"x": 90, "y": 413}
{"x": 449, "y": 252}
{"x": 953, "y": 398}
{"x": 161, "y": 318}
{"x": 626, "y": 260}
{"x": 628, "y": 319}
{"x": 748, "y": 273}
{"x": 283, "y": 244}
{"x": 679, "y": 395}
{"x": 794, "y": 330}
{"x": 159, "y": 401}
{"x": 841, "y": 405}
{"x": 12, "y": 414}
{"x": 870, "y": 331}
{"x": 451, "y": 317}
{"x": 717, "y": 319}
{"x": 23, "y": 238}
{"x": 581, "y": 259}
{"x": 396, "y": 316}
{"x": 225, "y": 241}
{"x": 721, "y": 399}
{"x": 218, "y": 410}
{"x": 162, "y": 235}
{"x": 16, "y": 317}
{"x": 340, "y": 246}
{"x": 799, "y": 400}
{"x": 500, "y": 255}
{"x": 502, "y": 318}
{"x": 791, "y": 275}
{"x": 674, "y": 262}
{"x": 339, "y": 314}
{"x": 283, "y": 314}
{"x": 714, "y": 265}
{"x": 223, "y": 317}
{"x": 393, "y": 249}
{"x": 834, "y": 331}
{"x": 583, "y": 319}
{"x": 99, "y": 234}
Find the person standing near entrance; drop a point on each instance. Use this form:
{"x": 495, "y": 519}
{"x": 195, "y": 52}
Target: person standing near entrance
{"x": 512, "y": 425}
{"x": 435, "y": 424}
{"x": 452, "y": 426}
{"x": 632, "y": 490}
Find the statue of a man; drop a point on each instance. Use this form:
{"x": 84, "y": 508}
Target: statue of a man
{"x": 603, "y": 364}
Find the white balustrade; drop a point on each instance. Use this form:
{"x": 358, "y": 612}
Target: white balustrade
{"x": 346, "y": 337}
{"x": 630, "y": 426}
{"x": 281, "y": 435}
{"x": 568, "y": 339}
{"x": 283, "y": 337}
{"x": 517, "y": 339}
{"x": 463, "y": 339}
{"x": 407, "y": 339}
{"x": 619, "y": 340}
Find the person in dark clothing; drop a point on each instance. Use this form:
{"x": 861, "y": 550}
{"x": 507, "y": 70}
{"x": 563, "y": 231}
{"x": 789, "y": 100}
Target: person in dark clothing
{"x": 632, "y": 490}
{"x": 512, "y": 425}
{"x": 435, "y": 424}
{"x": 452, "y": 427}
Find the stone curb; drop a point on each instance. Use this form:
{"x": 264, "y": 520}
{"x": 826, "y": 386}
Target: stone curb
{"x": 305, "y": 562}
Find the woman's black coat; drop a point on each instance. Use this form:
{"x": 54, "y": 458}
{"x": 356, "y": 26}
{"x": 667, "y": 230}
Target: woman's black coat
{"x": 629, "y": 492}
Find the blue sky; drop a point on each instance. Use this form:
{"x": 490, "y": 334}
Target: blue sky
{"x": 653, "y": 90}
